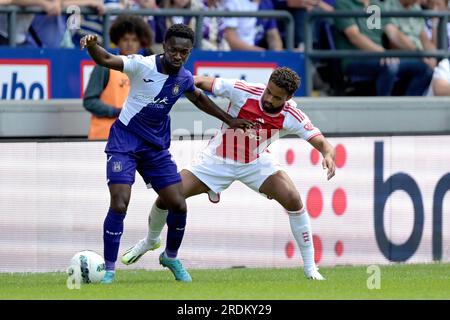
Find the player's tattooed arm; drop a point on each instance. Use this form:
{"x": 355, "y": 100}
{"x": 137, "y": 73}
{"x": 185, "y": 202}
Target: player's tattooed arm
{"x": 100, "y": 55}
{"x": 327, "y": 150}
{"x": 204, "y": 103}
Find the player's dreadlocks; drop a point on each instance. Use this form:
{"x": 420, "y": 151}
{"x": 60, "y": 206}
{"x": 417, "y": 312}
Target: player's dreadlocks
{"x": 124, "y": 24}
{"x": 181, "y": 31}
{"x": 286, "y": 78}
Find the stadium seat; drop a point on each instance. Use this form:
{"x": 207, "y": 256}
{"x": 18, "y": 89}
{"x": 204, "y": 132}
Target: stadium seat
{"x": 341, "y": 84}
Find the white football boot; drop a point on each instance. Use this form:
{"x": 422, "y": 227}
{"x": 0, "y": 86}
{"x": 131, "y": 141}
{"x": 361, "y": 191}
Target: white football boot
{"x": 134, "y": 253}
{"x": 313, "y": 274}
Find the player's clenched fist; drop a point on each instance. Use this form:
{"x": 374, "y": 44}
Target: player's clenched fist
{"x": 88, "y": 41}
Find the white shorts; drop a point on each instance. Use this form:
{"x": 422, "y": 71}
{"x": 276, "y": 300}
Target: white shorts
{"x": 218, "y": 173}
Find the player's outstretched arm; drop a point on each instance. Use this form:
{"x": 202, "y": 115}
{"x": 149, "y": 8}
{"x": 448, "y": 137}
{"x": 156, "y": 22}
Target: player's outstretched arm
{"x": 100, "y": 55}
{"x": 326, "y": 149}
{"x": 205, "y": 104}
{"x": 204, "y": 83}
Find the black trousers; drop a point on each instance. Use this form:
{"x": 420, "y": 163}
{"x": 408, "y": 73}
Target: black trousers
{"x": 3, "y": 41}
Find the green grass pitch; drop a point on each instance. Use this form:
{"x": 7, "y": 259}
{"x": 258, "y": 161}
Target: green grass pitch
{"x": 401, "y": 281}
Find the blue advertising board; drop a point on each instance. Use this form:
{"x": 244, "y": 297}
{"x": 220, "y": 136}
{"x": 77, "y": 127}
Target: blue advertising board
{"x": 64, "y": 73}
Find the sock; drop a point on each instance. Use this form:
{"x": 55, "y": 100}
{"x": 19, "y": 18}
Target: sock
{"x": 112, "y": 231}
{"x": 176, "y": 222}
{"x": 110, "y": 266}
{"x": 156, "y": 222}
{"x": 301, "y": 229}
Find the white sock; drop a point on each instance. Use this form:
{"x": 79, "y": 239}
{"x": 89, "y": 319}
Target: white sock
{"x": 301, "y": 229}
{"x": 156, "y": 222}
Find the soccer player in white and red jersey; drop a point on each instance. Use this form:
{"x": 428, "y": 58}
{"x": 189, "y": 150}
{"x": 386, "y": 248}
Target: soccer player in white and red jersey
{"x": 242, "y": 155}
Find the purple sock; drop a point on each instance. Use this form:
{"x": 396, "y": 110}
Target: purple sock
{"x": 176, "y": 222}
{"x": 112, "y": 231}
{"x": 110, "y": 266}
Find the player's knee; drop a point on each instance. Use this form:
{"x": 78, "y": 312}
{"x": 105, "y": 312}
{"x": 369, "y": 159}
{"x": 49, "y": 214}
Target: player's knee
{"x": 160, "y": 204}
{"x": 293, "y": 200}
{"x": 119, "y": 203}
{"x": 178, "y": 205}
{"x": 119, "y": 207}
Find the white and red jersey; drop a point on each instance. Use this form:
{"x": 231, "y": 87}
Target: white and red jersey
{"x": 245, "y": 103}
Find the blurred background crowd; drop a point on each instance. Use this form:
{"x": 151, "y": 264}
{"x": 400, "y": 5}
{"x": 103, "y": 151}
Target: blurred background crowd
{"x": 346, "y": 76}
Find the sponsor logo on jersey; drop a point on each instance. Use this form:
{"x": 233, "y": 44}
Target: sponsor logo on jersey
{"x": 151, "y": 101}
{"x": 159, "y": 103}
{"x": 258, "y": 125}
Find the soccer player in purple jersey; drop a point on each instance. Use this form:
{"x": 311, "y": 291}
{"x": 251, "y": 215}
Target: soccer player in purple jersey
{"x": 140, "y": 138}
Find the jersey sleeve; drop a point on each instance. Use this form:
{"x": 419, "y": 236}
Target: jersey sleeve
{"x": 190, "y": 87}
{"x": 224, "y": 88}
{"x": 132, "y": 64}
{"x": 298, "y": 123}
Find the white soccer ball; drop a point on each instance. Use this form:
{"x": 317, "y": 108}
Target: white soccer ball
{"x": 87, "y": 267}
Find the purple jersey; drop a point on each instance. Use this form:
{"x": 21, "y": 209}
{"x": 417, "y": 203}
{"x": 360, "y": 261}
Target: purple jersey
{"x": 264, "y": 24}
{"x": 151, "y": 97}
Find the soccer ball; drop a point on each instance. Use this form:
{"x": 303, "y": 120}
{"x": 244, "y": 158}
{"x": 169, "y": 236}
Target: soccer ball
{"x": 87, "y": 267}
